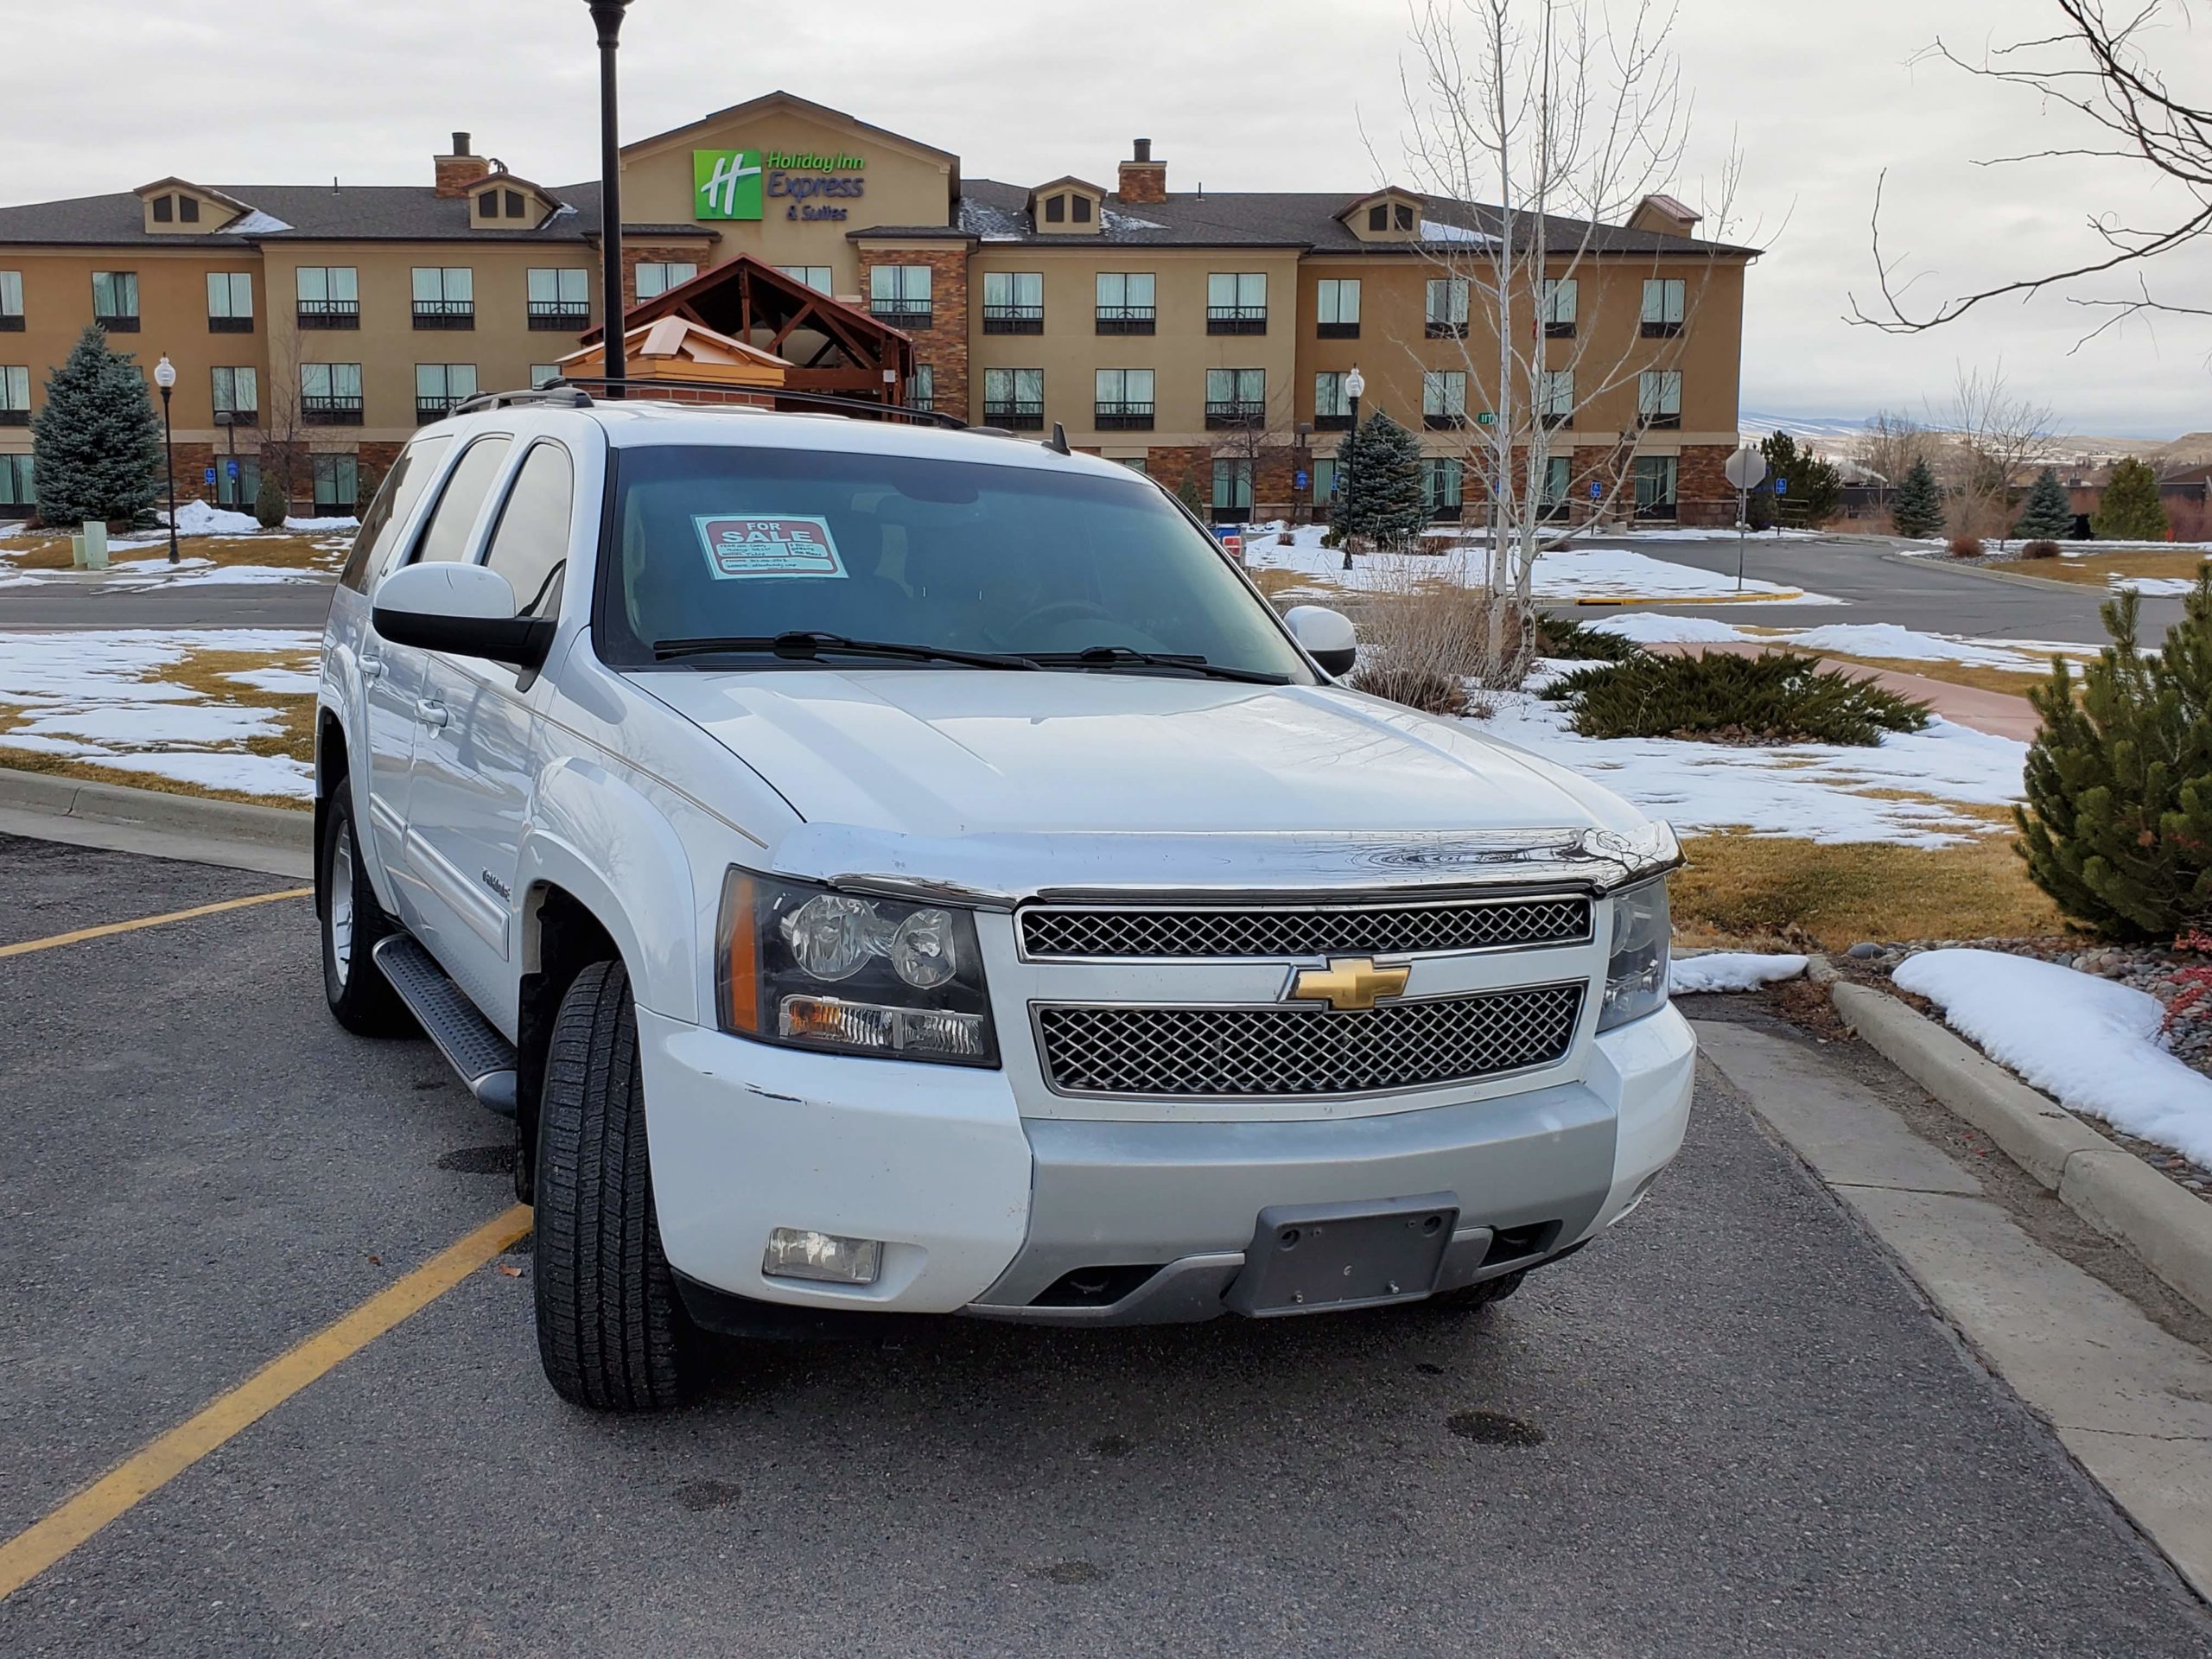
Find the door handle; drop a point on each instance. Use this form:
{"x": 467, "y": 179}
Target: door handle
{"x": 429, "y": 712}
{"x": 371, "y": 668}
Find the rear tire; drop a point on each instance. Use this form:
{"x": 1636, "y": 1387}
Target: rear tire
{"x": 352, "y": 922}
{"x": 611, "y": 1332}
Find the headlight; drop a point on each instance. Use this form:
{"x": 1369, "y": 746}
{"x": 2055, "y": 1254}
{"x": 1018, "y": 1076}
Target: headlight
{"x": 816, "y": 969}
{"x": 1636, "y": 972}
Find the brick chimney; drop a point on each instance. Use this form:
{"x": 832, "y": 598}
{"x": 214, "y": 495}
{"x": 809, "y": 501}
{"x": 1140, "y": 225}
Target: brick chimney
{"x": 457, "y": 171}
{"x": 1143, "y": 179}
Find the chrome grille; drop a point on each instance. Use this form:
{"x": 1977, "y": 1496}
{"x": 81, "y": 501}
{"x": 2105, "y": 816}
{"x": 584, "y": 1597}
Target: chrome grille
{"x": 1275, "y": 1051}
{"x": 1399, "y": 930}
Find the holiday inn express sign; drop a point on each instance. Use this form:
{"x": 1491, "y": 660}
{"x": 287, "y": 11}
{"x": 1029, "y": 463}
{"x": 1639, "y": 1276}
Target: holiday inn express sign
{"x": 741, "y": 183}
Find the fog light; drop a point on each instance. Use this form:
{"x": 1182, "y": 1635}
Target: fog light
{"x": 801, "y": 1253}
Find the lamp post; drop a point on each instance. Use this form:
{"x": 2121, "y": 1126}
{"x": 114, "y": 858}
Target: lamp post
{"x": 165, "y": 378}
{"x": 1355, "y": 385}
{"x": 607, "y": 14}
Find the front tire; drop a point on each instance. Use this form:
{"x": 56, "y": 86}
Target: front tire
{"x": 352, "y": 922}
{"x": 612, "y": 1333}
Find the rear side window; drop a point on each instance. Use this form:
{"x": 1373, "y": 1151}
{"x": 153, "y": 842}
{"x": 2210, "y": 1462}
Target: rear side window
{"x": 446, "y": 541}
{"x": 532, "y": 543}
{"x": 389, "y": 513}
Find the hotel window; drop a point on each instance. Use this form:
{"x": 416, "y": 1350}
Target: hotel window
{"x": 1079, "y": 209}
{"x": 439, "y": 387}
{"x": 1136, "y": 463}
{"x": 230, "y": 302}
{"x": 1447, "y": 308}
{"x": 1558, "y": 471}
{"x": 559, "y": 298}
{"x": 1561, "y": 297}
{"x": 330, "y": 394}
{"x": 1654, "y": 486}
{"x": 15, "y": 394}
{"x": 1235, "y": 396}
{"x": 657, "y": 276}
{"x": 1331, "y": 406}
{"x": 1444, "y": 399}
{"x": 1663, "y": 298}
{"x": 164, "y": 209}
{"x": 445, "y": 296}
{"x": 900, "y": 293}
{"x": 16, "y": 489}
{"x": 1336, "y": 308}
{"x": 1441, "y": 485}
{"x": 1232, "y": 488}
{"x": 544, "y": 374}
{"x": 1378, "y": 217}
{"x": 11, "y": 301}
{"x": 1056, "y": 210}
{"x": 817, "y": 277}
{"x": 1125, "y": 303}
{"x": 1555, "y": 397}
{"x": 238, "y": 396}
{"x": 337, "y": 482}
{"x": 921, "y": 390}
{"x": 1124, "y": 400}
{"x": 1014, "y": 398}
{"x": 329, "y": 297}
{"x": 1237, "y": 302}
{"x": 1325, "y": 478}
{"x": 1659, "y": 397}
{"x": 1402, "y": 217}
{"x": 1013, "y": 301}
{"x": 241, "y": 489}
{"x": 115, "y": 301}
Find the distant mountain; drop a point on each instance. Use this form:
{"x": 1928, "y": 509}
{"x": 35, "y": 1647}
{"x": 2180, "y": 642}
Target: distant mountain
{"x": 1757, "y": 423}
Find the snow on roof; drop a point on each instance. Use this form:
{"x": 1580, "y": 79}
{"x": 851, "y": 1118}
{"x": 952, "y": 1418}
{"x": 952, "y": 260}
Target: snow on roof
{"x": 254, "y": 222}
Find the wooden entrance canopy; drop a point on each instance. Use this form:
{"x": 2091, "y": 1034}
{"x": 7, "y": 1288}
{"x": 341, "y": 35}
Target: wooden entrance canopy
{"x": 831, "y": 347}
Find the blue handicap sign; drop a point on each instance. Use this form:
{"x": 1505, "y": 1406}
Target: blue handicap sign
{"x": 1596, "y": 491}
{"x": 1782, "y": 487}
{"x": 231, "y": 467}
{"x": 211, "y": 474}
{"x": 1300, "y": 479}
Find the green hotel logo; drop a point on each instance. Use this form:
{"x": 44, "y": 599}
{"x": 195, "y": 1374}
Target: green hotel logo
{"x": 726, "y": 183}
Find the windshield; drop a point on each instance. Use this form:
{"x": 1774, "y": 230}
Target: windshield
{"x": 720, "y": 543}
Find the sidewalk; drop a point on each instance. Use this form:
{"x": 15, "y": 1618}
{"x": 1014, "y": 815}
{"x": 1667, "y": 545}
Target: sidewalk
{"x": 1995, "y": 712}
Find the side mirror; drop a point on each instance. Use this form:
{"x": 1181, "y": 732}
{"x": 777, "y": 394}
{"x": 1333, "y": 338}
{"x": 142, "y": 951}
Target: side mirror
{"x": 464, "y": 610}
{"x": 1327, "y": 636}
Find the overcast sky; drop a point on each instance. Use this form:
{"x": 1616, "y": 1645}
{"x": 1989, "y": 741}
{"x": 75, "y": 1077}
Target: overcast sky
{"x": 1253, "y": 94}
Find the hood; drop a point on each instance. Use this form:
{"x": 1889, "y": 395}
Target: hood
{"x": 1053, "y": 765}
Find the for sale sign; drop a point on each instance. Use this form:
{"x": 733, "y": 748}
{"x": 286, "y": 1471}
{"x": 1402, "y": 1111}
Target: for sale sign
{"x": 739, "y": 548}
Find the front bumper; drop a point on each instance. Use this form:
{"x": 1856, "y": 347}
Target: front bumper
{"x": 983, "y": 1212}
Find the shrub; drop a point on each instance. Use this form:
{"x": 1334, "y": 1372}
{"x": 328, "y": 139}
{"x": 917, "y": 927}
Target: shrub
{"x": 1563, "y": 637}
{"x": 2118, "y": 824}
{"x": 2039, "y": 549}
{"x": 1966, "y": 546}
{"x": 269, "y": 503}
{"x": 1413, "y": 684}
{"x": 2130, "y": 510}
{"x": 1187, "y": 494}
{"x": 1779, "y": 697}
{"x": 1421, "y": 638}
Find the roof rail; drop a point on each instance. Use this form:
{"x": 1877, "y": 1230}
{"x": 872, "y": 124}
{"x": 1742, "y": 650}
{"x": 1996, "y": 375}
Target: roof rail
{"x": 553, "y": 391}
{"x": 580, "y": 390}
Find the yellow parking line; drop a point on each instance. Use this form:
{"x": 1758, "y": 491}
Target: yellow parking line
{"x": 107, "y": 928}
{"x": 29, "y": 1554}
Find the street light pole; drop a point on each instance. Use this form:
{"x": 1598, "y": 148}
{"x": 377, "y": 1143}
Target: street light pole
{"x": 165, "y": 378}
{"x": 607, "y": 14}
{"x": 1355, "y": 384}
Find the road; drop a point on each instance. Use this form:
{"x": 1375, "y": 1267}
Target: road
{"x": 180, "y": 604}
{"x": 1732, "y": 1426}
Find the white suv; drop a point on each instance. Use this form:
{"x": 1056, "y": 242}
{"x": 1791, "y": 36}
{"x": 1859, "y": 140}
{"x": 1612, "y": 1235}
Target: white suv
{"x": 887, "y": 869}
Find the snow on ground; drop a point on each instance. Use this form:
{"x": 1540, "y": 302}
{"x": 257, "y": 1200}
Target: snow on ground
{"x": 1565, "y": 573}
{"x": 101, "y": 697}
{"x": 199, "y": 518}
{"x": 1884, "y": 639}
{"x": 1812, "y": 791}
{"x": 1661, "y": 628}
{"x": 1730, "y": 970}
{"x": 2092, "y": 1043}
{"x": 1888, "y": 640}
{"x": 2066, "y": 549}
{"x": 2151, "y": 586}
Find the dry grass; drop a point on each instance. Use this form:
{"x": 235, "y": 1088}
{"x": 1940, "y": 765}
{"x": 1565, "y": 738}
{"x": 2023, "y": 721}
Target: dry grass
{"x": 91, "y": 772}
{"x": 1760, "y": 891}
{"x": 2092, "y": 571}
{"x": 2011, "y": 681}
{"x": 290, "y": 552}
{"x": 1275, "y": 583}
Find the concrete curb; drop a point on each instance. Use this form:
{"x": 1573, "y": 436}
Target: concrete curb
{"x": 2113, "y": 1190}
{"x": 288, "y": 829}
{"x": 1943, "y": 562}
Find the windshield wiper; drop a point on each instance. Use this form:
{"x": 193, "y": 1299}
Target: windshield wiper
{"x": 806, "y": 645}
{"x": 1128, "y": 657}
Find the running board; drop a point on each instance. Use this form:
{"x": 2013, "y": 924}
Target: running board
{"x": 485, "y": 1059}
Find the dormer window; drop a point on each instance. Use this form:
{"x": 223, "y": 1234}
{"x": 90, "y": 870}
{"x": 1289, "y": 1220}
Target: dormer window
{"x": 1378, "y": 217}
{"x": 1062, "y": 204}
{"x": 1080, "y": 209}
{"x": 1390, "y": 215}
{"x": 164, "y": 209}
{"x": 1056, "y": 210}
{"x": 1402, "y": 217}
{"x": 488, "y": 204}
{"x": 178, "y": 203}
{"x": 514, "y": 203}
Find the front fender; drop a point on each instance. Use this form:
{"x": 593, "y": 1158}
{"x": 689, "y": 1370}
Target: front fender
{"x": 596, "y": 836}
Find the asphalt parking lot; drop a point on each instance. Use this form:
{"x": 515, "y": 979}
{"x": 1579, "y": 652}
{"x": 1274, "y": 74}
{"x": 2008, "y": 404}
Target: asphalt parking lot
{"x": 1731, "y": 1428}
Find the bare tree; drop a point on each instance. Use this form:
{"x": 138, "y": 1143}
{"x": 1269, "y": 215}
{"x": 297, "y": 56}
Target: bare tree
{"x": 283, "y": 420}
{"x": 2096, "y": 65}
{"x": 1255, "y": 438}
{"x": 1999, "y": 440}
{"x": 1889, "y": 444}
{"x": 1560, "y": 120}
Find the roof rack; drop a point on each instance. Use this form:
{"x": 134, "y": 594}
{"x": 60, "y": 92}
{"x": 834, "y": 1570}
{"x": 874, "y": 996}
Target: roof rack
{"x": 581, "y": 392}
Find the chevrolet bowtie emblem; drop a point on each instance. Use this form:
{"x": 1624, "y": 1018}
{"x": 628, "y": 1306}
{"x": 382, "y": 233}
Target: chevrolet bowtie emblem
{"x": 1348, "y": 982}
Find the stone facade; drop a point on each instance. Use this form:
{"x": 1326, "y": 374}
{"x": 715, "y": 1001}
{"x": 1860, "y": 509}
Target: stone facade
{"x": 1703, "y": 495}
{"x": 943, "y": 344}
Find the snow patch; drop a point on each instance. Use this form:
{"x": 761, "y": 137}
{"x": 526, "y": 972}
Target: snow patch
{"x": 198, "y": 518}
{"x": 254, "y": 222}
{"x": 1433, "y": 229}
{"x": 1888, "y": 640}
{"x": 1658, "y": 628}
{"x": 2091, "y": 1043}
{"x": 275, "y": 775}
{"x": 1730, "y": 970}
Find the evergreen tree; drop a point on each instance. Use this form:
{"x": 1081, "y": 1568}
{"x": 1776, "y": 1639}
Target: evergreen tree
{"x": 269, "y": 503}
{"x": 2118, "y": 825}
{"x": 1919, "y": 509}
{"x": 2131, "y": 511}
{"x": 1187, "y": 494}
{"x": 96, "y": 447}
{"x": 1387, "y": 504}
{"x": 2050, "y": 512}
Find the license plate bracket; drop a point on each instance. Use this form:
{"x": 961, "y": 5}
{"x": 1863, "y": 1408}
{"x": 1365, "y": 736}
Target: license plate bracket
{"x": 1308, "y": 1258}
